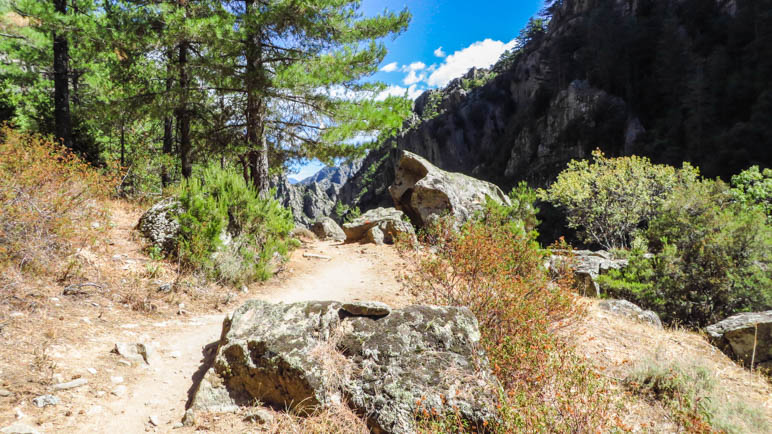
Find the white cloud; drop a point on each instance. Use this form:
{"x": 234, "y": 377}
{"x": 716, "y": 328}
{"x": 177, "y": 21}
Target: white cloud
{"x": 412, "y": 92}
{"x": 415, "y": 66}
{"x": 413, "y": 78}
{"x": 439, "y": 53}
{"x": 481, "y": 54}
{"x": 390, "y": 67}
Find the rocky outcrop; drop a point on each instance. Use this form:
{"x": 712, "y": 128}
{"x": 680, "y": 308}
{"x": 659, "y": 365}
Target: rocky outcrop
{"x": 160, "y": 226}
{"x": 328, "y": 229}
{"x": 304, "y": 355}
{"x": 424, "y": 192}
{"x": 314, "y": 197}
{"x": 378, "y": 226}
{"x": 629, "y": 310}
{"x": 587, "y": 266}
{"x": 739, "y": 336}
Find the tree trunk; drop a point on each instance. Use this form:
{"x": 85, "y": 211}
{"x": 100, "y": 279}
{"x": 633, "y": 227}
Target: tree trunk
{"x": 255, "y": 111}
{"x": 183, "y": 113}
{"x": 168, "y": 125}
{"x": 62, "y": 119}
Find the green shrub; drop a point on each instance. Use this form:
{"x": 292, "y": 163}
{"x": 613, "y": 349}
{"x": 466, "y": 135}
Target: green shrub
{"x": 609, "y": 198}
{"x": 228, "y": 230}
{"x": 753, "y": 187}
{"x": 520, "y": 216}
{"x": 712, "y": 257}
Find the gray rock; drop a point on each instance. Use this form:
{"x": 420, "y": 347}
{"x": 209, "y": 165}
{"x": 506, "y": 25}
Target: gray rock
{"x": 739, "y": 334}
{"x": 375, "y": 236}
{"x": 301, "y": 356}
{"x": 153, "y": 420}
{"x": 327, "y": 229}
{"x": 367, "y": 308}
{"x": 424, "y": 192}
{"x": 159, "y": 224}
{"x": 389, "y": 221}
{"x": 629, "y": 310}
{"x": 5, "y": 392}
{"x": 45, "y": 400}
{"x": 137, "y": 351}
{"x": 120, "y": 390}
{"x": 71, "y": 384}
{"x": 587, "y": 266}
{"x": 19, "y": 428}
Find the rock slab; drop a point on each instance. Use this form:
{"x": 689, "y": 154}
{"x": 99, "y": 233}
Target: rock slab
{"x": 425, "y": 192}
{"x": 630, "y": 310}
{"x": 303, "y": 356}
{"x": 738, "y": 335}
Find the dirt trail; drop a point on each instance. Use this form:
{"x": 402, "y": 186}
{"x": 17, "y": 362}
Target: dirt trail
{"x": 354, "y": 272}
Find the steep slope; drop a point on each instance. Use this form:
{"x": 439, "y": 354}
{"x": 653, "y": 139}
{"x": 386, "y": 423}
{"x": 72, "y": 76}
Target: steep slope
{"x": 686, "y": 80}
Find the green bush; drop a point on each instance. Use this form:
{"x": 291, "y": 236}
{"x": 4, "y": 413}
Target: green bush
{"x": 712, "y": 257}
{"x": 228, "y": 230}
{"x": 609, "y": 198}
{"x": 520, "y": 216}
{"x": 753, "y": 187}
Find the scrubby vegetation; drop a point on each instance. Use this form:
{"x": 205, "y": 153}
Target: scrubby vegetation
{"x": 229, "y": 230}
{"x": 699, "y": 250}
{"x": 694, "y": 396}
{"x": 50, "y": 202}
{"x": 607, "y": 199}
{"x": 494, "y": 268}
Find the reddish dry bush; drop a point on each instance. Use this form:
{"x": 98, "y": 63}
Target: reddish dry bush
{"x": 499, "y": 274}
{"x": 49, "y": 200}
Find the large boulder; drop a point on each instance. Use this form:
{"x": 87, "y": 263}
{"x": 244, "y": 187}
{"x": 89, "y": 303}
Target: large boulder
{"x": 328, "y": 229}
{"x": 377, "y": 226}
{"x": 742, "y": 334}
{"x": 587, "y": 266}
{"x": 159, "y": 224}
{"x": 425, "y": 192}
{"x": 386, "y": 364}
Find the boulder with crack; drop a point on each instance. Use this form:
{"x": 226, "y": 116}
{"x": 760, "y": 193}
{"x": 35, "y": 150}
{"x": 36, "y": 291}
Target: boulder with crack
{"x": 587, "y": 266}
{"x": 746, "y": 336}
{"x": 425, "y": 192}
{"x": 386, "y": 364}
{"x": 377, "y": 226}
{"x": 630, "y": 310}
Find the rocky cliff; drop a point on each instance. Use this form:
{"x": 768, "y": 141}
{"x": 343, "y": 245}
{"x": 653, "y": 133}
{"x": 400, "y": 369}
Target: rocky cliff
{"x": 676, "y": 81}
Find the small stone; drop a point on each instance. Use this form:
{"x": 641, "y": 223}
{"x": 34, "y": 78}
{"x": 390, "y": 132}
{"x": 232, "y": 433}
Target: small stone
{"x": 58, "y": 378}
{"x": 101, "y": 393}
{"x": 19, "y": 428}
{"x": 259, "y": 415}
{"x": 175, "y": 354}
{"x": 71, "y": 384}
{"x": 86, "y": 320}
{"x": 92, "y": 371}
{"x": 165, "y": 288}
{"x": 54, "y": 299}
{"x": 124, "y": 362}
{"x": 116, "y": 379}
{"x": 45, "y": 400}
{"x": 119, "y": 390}
{"x": 244, "y": 289}
{"x": 5, "y": 392}
{"x": 95, "y": 225}
{"x": 94, "y": 410}
{"x": 18, "y": 413}
{"x": 16, "y": 314}
{"x": 367, "y": 308}
{"x": 177, "y": 425}
{"x": 153, "y": 420}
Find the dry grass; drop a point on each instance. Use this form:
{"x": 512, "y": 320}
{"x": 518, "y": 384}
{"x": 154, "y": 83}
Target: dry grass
{"x": 626, "y": 350}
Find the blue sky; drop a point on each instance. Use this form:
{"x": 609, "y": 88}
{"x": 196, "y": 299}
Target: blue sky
{"x": 445, "y": 38}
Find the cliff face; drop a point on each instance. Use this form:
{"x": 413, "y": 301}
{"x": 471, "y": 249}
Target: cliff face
{"x": 675, "y": 80}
